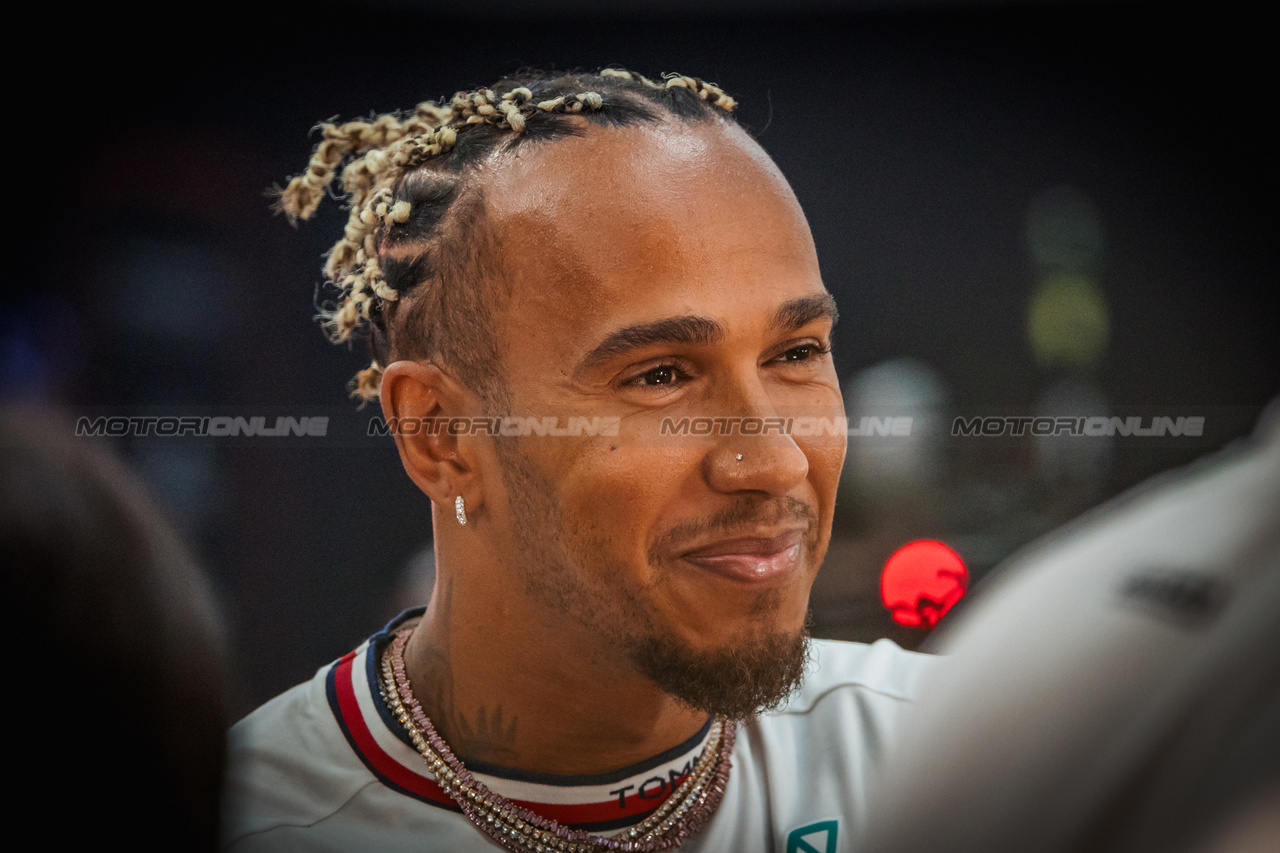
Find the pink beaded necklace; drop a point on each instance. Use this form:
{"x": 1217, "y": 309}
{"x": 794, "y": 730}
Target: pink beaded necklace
{"x": 520, "y": 830}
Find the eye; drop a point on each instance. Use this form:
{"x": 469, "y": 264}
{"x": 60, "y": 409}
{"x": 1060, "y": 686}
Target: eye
{"x": 803, "y": 352}
{"x": 663, "y": 374}
{"x": 657, "y": 377}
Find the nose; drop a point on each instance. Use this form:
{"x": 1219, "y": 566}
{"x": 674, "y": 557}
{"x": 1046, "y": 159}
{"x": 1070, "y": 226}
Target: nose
{"x": 770, "y": 463}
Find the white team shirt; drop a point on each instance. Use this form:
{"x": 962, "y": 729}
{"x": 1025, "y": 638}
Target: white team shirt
{"x": 325, "y": 767}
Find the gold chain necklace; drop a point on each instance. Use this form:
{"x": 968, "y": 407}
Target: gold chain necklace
{"x": 521, "y": 831}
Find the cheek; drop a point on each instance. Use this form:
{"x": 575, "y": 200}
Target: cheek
{"x": 617, "y": 497}
{"x": 825, "y": 452}
{"x": 826, "y": 459}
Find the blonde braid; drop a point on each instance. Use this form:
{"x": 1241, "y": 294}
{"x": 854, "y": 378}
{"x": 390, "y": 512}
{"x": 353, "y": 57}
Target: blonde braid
{"x": 369, "y": 179}
{"x": 630, "y": 75}
{"x": 390, "y": 146}
{"x": 431, "y": 114}
{"x": 304, "y": 193}
{"x": 510, "y": 106}
{"x": 302, "y": 196}
{"x": 367, "y": 383}
{"x": 704, "y": 90}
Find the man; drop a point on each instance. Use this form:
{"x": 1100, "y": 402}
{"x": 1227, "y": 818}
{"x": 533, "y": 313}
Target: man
{"x": 613, "y": 651}
{"x": 1116, "y": 687}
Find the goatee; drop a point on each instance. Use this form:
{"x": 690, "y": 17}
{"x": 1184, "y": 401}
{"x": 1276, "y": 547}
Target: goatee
{"x": 759, "y": 674}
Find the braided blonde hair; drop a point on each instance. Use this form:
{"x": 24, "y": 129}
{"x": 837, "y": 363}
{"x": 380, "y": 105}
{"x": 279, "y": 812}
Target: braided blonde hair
{"x": 381, "y": 152}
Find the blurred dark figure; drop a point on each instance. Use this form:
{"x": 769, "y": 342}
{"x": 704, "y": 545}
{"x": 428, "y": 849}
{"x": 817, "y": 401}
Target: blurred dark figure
{"x": 1117, "y": 688}
{"x": 120, "y": 701}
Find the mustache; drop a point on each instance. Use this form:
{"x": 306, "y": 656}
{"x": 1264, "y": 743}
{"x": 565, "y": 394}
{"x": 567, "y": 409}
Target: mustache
{"x": 746, "y": 514}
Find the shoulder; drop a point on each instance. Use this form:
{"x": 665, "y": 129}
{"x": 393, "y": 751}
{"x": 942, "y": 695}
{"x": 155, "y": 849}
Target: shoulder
{"x": 882, "y": 669}
{"x": 289, "y": 764}
{"x": 812, "y": 763}
{"x": 853, "y": 700}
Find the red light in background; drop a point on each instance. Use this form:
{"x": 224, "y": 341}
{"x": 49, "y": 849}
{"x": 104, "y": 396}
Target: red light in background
{"x": 921, "y": 581}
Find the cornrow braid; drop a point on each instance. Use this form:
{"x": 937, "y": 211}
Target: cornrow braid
{"x": 404, "y": 178}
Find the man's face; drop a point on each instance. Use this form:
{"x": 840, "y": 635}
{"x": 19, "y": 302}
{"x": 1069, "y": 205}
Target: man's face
{"x": 667, "y": 272}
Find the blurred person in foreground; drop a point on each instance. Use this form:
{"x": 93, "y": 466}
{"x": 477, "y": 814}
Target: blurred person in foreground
{"x": 112, "y": 626}
{"x": 1115, "y": 689}
{"x": 614, "y": 653}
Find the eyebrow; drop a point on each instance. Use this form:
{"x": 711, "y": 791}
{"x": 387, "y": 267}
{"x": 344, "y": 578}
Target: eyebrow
{"x": 799, "y": 313}
{"x": 673, "y": 330}
{"x": 691, "y": 329}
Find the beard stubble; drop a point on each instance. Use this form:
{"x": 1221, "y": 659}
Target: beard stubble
{"x": 758, "y": 670}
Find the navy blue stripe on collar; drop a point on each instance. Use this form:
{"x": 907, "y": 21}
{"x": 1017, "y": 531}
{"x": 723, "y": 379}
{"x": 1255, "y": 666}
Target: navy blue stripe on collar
{"x": 591, "y": 779}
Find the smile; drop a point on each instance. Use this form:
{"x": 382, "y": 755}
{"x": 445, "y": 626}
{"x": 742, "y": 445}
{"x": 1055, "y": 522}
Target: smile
{"x": 754, "y": 559}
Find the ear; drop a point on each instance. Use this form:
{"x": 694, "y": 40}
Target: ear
{"x": 417, "y": 400}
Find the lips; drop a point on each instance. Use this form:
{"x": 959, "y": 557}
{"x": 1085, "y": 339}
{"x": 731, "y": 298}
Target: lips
{"x": 751, "y": 558}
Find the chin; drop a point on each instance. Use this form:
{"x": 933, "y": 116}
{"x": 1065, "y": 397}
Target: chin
{"x": 757, "y": 670}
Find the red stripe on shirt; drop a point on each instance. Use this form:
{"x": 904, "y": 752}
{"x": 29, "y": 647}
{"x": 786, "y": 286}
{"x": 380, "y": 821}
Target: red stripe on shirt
{"x": 394, "y": 771}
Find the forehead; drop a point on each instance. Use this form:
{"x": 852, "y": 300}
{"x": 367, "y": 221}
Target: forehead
{"x": 624, "y": 225}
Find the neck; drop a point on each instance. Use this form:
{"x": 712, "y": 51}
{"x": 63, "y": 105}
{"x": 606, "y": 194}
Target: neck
{"x": 502, "y": 686}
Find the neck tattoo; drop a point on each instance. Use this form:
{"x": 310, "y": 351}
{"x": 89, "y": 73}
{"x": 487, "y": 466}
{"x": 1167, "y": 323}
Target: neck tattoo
{"x": 521, "y": 831}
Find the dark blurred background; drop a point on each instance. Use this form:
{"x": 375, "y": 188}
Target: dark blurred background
{"x": 1022, "y": 208}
